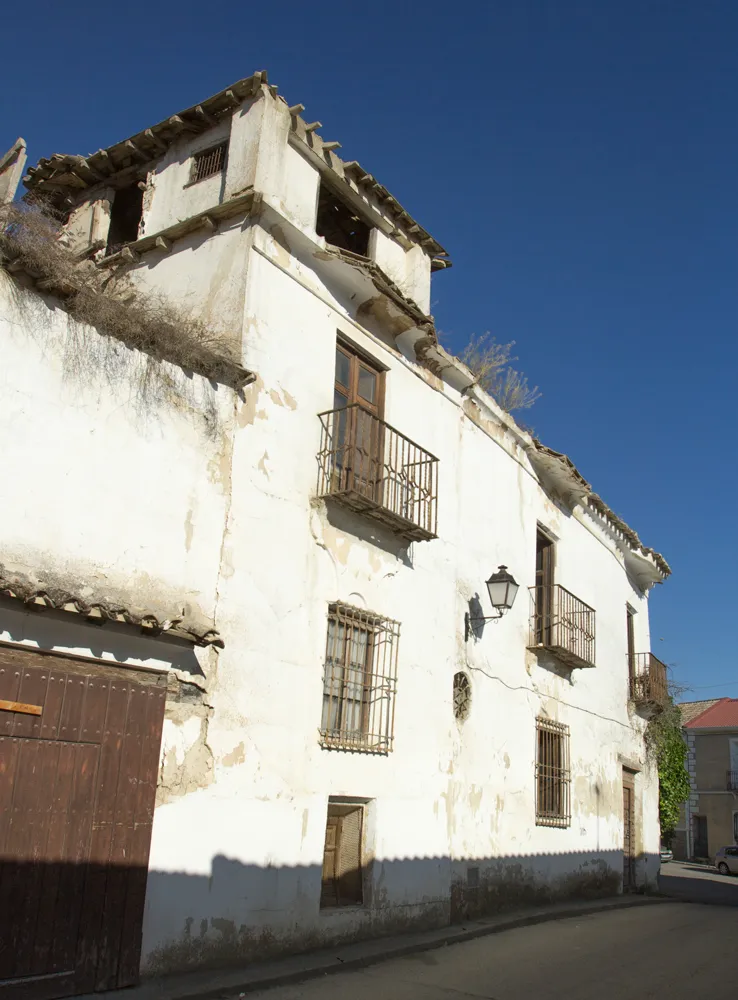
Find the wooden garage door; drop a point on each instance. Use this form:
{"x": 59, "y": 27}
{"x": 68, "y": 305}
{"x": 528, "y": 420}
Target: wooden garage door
{"x": 77, "y": 790}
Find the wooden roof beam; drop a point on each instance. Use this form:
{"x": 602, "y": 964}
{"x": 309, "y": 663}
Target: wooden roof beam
{"x": 136, "y": 151}
{"x": 158, "y": 145}
{"x": 204, "y": 116}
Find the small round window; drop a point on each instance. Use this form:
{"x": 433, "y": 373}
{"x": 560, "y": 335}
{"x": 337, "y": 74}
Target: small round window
{"x": 462, "y": 696}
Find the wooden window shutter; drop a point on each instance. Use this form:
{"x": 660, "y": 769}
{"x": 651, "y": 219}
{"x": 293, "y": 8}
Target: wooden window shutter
{"x": 349, "y": 858}
{"x": 329, "y": 886}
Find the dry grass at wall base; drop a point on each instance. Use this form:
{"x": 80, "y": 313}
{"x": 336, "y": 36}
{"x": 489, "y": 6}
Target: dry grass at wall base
{"x": 29, "y": 242}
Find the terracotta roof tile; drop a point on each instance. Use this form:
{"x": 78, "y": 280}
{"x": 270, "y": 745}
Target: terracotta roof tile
{"x": 720, "y": 714}
{"x": 691, "y": 709}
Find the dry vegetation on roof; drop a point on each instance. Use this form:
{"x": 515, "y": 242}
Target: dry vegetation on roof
{"x": 29, "y": 242}
{"x": 491, "y": 363}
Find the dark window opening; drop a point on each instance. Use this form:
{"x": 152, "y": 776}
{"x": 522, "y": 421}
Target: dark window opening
{"x": 209, "y": 162}
{"x": 125, "y": 217}
{"x": 630, "y": 633}
{"x": 339, "y": 225}
{"x": 544, "y": 589}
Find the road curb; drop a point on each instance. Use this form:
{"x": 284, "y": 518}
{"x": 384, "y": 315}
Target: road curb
{"x": 403, "y": 948}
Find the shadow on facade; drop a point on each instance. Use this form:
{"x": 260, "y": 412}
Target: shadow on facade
{"x": 88, "y": 922}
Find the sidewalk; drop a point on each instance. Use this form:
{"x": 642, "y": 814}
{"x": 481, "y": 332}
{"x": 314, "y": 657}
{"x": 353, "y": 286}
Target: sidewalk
{"x": 229, "y": 983}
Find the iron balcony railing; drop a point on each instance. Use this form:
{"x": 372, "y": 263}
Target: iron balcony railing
{"x": 648, "y": 685}
{"x": 732, "y": 781}
{"x": 562, "y": 625}
{"x": 370, "y": 467}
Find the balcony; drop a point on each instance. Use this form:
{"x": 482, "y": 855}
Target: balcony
{"x": 371, "y": 468}
{"x": 562, "y": 625}
{"x": 648, "y": 685}
{"x": 732, "y": 781}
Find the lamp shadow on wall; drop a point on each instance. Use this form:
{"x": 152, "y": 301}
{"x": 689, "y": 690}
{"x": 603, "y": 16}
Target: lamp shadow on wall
{"x": 475, "y": 621}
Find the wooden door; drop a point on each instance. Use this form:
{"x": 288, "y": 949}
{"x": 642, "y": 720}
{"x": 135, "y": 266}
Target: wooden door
{"x": 700, "y": 849}
{"x": 359, "y": 386}
{"x": 629, "y": 850}
{"x": 342, "y": 868}
{"x": 79, "y": 754}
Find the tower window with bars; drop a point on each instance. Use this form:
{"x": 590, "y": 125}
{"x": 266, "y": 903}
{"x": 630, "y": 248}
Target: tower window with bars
{"x": 209, "y": 162}
{"x": 360, "y": 680}
{"x": 553, "y": 775}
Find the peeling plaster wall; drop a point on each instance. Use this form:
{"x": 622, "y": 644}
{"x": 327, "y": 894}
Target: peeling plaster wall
{"x": 409, "y": 269}
{"x": 299, "y": 196}
{"x": 172, "y": 197}
{"x": 450, "y": 795}
{"x": 204, "y": 274}
{"x": 91, "y": 220}
{"x": 117, "y": 484}
{"x": 201, "y": 495}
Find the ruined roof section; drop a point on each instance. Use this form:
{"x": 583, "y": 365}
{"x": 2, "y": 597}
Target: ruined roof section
{"x": 573, "y": 487}
{"x": 62, "y": 176}
{"x": 98, "y": 610}
{"x": 66, "y": 174}
{"x": 361, "y": 182}
{"x": 720, "y": 714}
{"x": 618, "y": 525}
{"x": 691, "y": 709}
{"x": 383, "y": 283}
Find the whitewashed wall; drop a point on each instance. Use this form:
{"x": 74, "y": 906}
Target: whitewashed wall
{"x": 448, "y": 795}
{"x": 209, "y": 498}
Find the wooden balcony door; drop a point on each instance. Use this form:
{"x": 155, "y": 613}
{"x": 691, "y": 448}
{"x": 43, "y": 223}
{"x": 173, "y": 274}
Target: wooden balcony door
{"x": 544, "y": 589}
{"x": 629, "y": 623}
{"x": 359, "y": 444}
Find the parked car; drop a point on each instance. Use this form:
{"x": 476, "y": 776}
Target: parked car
{"x": 666, "y": 854}
{"x": 726, "y": 860}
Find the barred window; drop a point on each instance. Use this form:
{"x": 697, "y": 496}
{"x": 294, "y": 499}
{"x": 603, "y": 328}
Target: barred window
{"x": 208, "y": 162}
{"x": 342, "y": 882}
{"x": 360, "y": 680}
{"x": 462, "y": 696}
{"x": 553, "y": 777}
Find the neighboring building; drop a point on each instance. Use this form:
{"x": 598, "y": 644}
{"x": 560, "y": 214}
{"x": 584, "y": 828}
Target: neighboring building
{"x": 275, "y": 568}
{"x": 711, "y": 732}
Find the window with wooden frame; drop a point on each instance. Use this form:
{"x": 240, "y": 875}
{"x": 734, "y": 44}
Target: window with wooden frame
{"x": 342, "y": 882}
{"x": 358, "y": 380}
{"x": 208, "y": 162}
{"x": 552, "y": 774}
{"x": 360, "y": 680}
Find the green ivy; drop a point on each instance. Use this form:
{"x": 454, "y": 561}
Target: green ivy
{"x": 664, "y": 742}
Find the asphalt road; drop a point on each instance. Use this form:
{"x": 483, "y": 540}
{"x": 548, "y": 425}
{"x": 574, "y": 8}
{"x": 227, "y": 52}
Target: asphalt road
{"x": 671, "y": 951}
{"x": 698, "y": 884}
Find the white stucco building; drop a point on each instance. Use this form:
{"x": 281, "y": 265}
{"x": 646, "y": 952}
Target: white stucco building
{"x": 280, "y": 564}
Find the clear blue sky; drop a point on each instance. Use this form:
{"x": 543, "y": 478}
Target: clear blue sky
{"x": 579, "y": 160}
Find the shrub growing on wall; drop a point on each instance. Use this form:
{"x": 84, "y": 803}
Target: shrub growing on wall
{"x": 665, "y": 742}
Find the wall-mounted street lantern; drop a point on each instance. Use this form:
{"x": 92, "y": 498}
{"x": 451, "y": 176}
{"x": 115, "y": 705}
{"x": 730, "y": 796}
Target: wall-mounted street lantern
{"x": 502, "y": 590}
